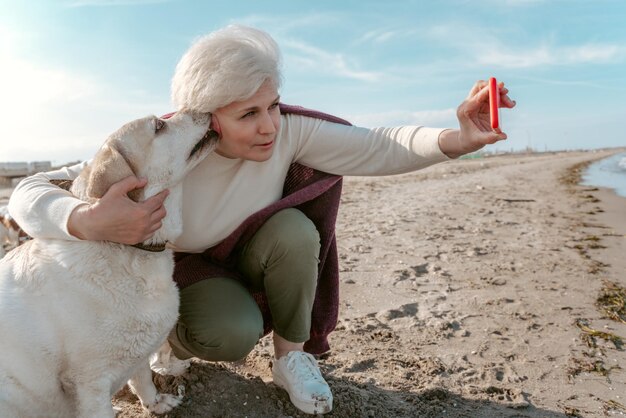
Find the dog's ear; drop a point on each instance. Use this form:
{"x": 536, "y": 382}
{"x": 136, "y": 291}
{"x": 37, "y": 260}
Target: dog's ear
{"x": 109, "y": 166}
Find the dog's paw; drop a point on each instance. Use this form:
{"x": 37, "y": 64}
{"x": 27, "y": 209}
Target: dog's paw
{"x": 163, "y": 403}
{"x": 165, "y": 363}
{"x": 171, "y": 367}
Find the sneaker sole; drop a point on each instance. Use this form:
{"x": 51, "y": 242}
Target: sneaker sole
{"x": 309, "y": 407}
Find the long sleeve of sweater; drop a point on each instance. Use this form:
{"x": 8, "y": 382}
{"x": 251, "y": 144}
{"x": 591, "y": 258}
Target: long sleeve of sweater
{"x": 43, "y": 209}
{"x": 355, "y": 151}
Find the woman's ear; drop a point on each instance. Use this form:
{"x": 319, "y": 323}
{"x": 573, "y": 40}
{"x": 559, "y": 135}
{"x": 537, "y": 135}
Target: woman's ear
{"x": 215, "y": 125}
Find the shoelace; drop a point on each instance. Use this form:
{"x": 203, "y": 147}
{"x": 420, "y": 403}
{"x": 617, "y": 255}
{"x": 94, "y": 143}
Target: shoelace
{"x": 303, "y": 366}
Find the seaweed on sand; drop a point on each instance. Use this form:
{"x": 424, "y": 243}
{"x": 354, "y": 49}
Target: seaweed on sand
{"x": 612, "y": 302}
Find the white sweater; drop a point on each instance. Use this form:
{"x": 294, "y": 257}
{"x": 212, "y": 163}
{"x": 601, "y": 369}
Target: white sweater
{"x": 220, "y": 193}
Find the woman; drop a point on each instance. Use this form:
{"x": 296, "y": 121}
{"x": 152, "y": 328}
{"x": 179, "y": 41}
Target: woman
{"x": 234, "y": 74}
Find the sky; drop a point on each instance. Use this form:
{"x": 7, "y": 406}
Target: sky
{"x": 73, "y": 71}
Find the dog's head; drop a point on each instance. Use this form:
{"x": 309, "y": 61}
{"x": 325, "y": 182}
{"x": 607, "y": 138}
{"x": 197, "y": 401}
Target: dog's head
{"x": 161, "y": 150}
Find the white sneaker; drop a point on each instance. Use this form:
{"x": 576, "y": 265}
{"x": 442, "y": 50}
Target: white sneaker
{"x": 165, "y": 363}
{"x": 299, "y": 375}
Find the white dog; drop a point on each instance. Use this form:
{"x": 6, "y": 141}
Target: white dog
{"x": 80, "y": 318}
{"x": 11, "y": 234}
{"x": 4, "y": 239}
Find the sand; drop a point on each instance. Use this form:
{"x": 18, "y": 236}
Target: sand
{"x": 466, "y": 290}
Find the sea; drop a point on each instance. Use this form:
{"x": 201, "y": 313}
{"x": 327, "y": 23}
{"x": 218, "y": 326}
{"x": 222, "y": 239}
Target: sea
{"x": 609, "y": 172}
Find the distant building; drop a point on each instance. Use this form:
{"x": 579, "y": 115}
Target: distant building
{"x": 13, "y": 169}
{"x": 39, "y": 166}
{"x": 21, "y": 169}
{"x": 12, "y": 173}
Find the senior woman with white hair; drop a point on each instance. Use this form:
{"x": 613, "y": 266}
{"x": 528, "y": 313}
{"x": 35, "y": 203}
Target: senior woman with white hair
{"x": 234, "y": 73}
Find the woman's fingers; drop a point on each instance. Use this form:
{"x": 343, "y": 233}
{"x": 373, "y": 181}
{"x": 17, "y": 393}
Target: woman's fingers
{"x": 470, "y": 107}
{"x": 506, "y": 101}
{"x": 476, "y": 88}
{"x": 126, "y": 185}
{"x": 155, "y": 202}
{"x": 155, "y": 227}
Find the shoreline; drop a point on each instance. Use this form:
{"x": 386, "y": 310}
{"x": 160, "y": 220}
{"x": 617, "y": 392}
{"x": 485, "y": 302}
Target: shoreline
{"x": 604, "y": 246}
{"x": 602, "y": 174}
{"x": 613, "y": 217}
{"x": 605, "y": 215}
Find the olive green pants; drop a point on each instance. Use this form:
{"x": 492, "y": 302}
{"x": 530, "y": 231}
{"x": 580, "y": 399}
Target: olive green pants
{"x": 220, "y": 321}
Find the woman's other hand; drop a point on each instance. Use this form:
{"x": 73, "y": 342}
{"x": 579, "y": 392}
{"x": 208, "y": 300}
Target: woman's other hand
{"x": 117, "y": 218}
{"x": 475, "y": 122}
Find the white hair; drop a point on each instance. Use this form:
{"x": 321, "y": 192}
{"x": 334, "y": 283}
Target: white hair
{"x": 225, "y": 66}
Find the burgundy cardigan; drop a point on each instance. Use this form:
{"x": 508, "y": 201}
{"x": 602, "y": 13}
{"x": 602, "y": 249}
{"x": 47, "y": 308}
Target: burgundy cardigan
{"x": 317, "y": 195}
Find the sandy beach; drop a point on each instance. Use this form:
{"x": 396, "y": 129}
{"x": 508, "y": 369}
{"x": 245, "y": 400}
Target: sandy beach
{"x": 469, "y": 289}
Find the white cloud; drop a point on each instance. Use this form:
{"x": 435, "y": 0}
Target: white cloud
{"x": 300, "y": 54}
{"x": 578, "y": 83}
{"x": 25, "y": 86}
{"x": 58, "y": 114}
{"x": 319, "y": 60}
{"x": 593, "y": 53}
{"x": 107, "y": 3}
{"x": 546, "y": 55}
{"x": 486, "y": 46}
{"x": 522, "y": 2}
{"x": 30, "y": 94}
{"x": 283, "y": 24}
{"x": 434, "y": 118}
{"x": 380, "y": 36}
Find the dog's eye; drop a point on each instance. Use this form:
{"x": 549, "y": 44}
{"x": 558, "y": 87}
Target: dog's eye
{"x": 158, "y": 125}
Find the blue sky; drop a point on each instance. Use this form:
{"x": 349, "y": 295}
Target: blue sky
{"x": 73, "y": 71}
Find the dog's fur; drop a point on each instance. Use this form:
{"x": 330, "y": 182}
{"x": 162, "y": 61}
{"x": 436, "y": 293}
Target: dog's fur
{"x": 80, "y": 318}
{"x": 10, "y": 232}
{"x": 4, "y": 239}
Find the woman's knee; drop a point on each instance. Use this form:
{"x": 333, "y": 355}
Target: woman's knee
{"x": 219, "y": 321}
{"x": 292, "y": 229}
{"x": 221, "y": 342}
{"x": 283, "y": 254}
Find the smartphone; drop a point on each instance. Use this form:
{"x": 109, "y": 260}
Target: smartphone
{"x": 494, "y": 104}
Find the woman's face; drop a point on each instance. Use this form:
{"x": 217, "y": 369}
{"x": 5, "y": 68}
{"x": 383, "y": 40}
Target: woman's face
{"x": 248, "y": 128}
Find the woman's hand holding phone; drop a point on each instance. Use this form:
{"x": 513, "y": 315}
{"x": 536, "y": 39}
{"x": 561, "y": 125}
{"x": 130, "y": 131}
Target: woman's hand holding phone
{"x": 479, "y": 120}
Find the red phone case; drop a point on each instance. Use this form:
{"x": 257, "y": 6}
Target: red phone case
{"x": 494, "y": 104}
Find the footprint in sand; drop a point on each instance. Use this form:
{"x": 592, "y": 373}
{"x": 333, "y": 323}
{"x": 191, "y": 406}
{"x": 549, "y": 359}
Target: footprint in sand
{"x": 408, "y": 310}
{"x": 494, "y": 281}
{"x": 360, "y": 366}
{"x": 512, "y": 397}
{"x": 414, "y": 272}
{"x": 501, "y": 372}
